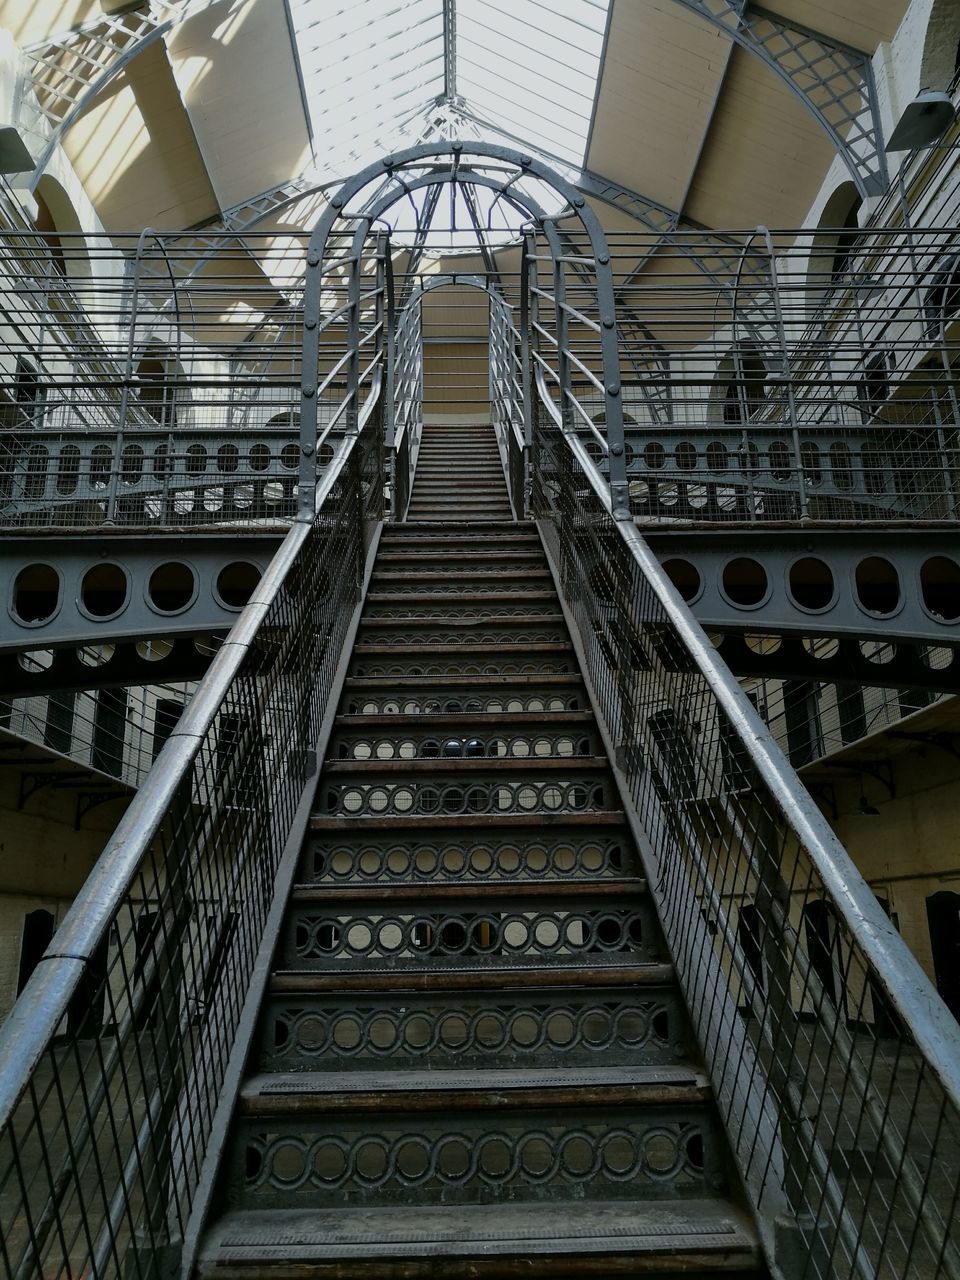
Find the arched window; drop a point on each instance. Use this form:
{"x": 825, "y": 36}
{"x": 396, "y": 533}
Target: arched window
{"x": 58, "y": 226}
{"x": 874, "y": 386}
{"x": 743, "y": 377}
{"x": 47, "y": 227}
{"x": 941, "y": 302}
{"x": 159, "y": 385}
{"x": 940, "y": 64}
{"x": 834, "y": 243}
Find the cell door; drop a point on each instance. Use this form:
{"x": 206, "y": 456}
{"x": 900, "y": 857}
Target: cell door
{"x": 943, "y": 919}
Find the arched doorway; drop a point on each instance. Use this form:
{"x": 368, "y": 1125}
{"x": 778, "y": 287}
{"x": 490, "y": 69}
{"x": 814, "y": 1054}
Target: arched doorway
{"x": 943, "y": 920}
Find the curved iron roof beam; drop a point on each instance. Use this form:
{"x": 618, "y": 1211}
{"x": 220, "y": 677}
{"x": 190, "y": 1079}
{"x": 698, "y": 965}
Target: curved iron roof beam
{"x": 147, "y": 28}
{"x": 833, "y": 80}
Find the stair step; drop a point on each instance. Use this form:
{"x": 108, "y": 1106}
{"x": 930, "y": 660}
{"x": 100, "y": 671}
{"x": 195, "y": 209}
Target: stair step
{"x": 523, "y": 1027}
{"x": 481, "y": 857}
{"x": 464, "y": 649}
{"x": 469, "y": 822}
{"x": 469, "y": 720}
{"x": 463, "y": 557}
{"x": 485, "y": 1242}
{"x": 459, "y": 893}
{"x": 410, "y": 535}
{"x": 460, "y": 766}
{"x": 453, "y": 621}
{"x": 457, "y": 1155}
{"x": 322, "y": 1092}
{"x": 461, "y": 597}
{"x": 560, "y": 680}
{"x": 383, "y": 978}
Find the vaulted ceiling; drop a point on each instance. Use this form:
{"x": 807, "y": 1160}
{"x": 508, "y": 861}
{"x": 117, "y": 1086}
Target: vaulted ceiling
{"x": 176, "y": 112}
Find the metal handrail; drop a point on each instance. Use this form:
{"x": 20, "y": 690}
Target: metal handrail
{"x": 933, "y": 1027}
{"x": 711, "y": 844}
{"x": 39, "y": 1010}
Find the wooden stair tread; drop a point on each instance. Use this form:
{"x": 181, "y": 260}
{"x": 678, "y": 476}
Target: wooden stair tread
{"x": 624, "y": 1237}
{"x": 473, "y": 893}
{"x": 320, "y": 1092}
{"x": 468, "y": 821}
{"x": 556, "y": 975}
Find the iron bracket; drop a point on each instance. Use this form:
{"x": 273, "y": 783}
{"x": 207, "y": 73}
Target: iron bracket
{"x": 833, "y": 80}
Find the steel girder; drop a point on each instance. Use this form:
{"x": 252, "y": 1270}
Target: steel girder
{"x": 71, "y": 70}
{"x": 890, "y": 584}
{"x": 792, "y": 657}
{"x": 117, "y": 665}
{"x": 833, "y": 80}
{"x": 128, "y": 586}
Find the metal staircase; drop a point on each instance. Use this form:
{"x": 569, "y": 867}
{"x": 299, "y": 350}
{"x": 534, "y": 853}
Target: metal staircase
{"x": 472, "y": 1057}
{"x": 528, "y": 960}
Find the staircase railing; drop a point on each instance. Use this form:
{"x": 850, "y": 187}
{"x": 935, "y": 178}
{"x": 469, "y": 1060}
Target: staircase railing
{"x": 113, "y": 1059}
{"x": 509, "y": 397}
{"x": 835, "y": 1064}
{"x": 406, "y": 398}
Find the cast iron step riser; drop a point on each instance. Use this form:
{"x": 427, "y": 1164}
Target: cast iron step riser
{"x": 523, "y": 933}
{"x": 451, "y": 1031}
{"x": 384, "y": 699}
{"x": 411, "y": 665}
{"x": 420, "y": 1261}
{"x": 466, "y": 646}
{"x": 467, "y": 859}
{"x": 454, "y": 744}
{"x": 416, "y": 539}
{"x": 364, "y": 796}
{"x": 477, "y": 1157}
{"x": 465, "y": 558}
{"x": 505, "y": 631}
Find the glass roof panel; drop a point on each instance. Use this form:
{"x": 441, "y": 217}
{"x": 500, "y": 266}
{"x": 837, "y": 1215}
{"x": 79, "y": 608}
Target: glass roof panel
{"x": 374, "y": 71}
{"x": 369, "y": 68}
{"x": 530, "y": 67}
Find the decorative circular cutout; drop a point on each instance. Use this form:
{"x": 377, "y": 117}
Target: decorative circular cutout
{"x": 236, "y": 583}
{"x": 878, "y": 586}
{"x": 685, "y": 577}
{"x": 35, "y": 661}
{"x": 154, "y": 650}
{"x": 172, "y": 587}
{"x": 104, "y": 591}
{"x": 36, "y": 594}
{"x": 95, "y": 655}
{"x": 745, "y": 582}
{"x": 940, "y": 588}
{"x": 811, "y": 584}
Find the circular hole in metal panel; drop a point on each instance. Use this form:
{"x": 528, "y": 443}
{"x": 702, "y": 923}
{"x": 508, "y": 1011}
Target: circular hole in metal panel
{"x": 236, "y": 582}
{"x": 36, "y": 594}
{"x": 104, "y": 591}
{"x": 811, "y": 583}
{"x": 684, "y": 576}
{"x": 172, "y": 587}
{"x": 940, "y": 587}
{"x": 878, "y": 585}
{"x": 745, "y": 582}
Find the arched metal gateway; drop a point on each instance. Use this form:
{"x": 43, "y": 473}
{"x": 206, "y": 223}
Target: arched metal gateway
{"x": 508, "y": 174}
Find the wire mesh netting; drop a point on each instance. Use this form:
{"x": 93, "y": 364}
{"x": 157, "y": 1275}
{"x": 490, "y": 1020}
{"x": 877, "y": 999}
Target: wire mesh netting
{"x": 841, "y": 1124}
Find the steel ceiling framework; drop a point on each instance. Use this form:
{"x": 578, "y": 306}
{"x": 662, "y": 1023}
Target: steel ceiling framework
{"x": 834, "y": 82}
